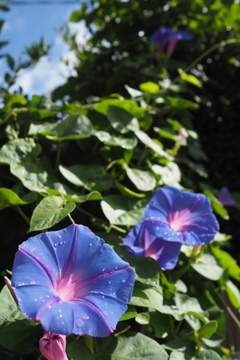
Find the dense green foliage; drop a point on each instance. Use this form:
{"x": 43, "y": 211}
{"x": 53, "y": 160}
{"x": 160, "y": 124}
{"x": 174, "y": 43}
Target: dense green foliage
{"x": 99, "y": 147}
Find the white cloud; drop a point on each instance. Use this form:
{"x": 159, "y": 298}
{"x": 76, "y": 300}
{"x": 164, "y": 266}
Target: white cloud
{"x": 50, "y": 72}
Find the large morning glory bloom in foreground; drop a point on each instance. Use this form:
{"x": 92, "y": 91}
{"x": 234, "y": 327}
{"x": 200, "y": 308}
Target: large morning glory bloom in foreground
{"x": 72, "y": 282}
{"x": 168, "y": 38}
{"x": 172, "y": 218}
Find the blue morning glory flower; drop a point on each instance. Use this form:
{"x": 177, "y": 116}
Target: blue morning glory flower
{"x": 165, "y": 37}
{"x": 172, "y": 217}
{"x": 72, "y": 282}
{"x": 225, "y": 197}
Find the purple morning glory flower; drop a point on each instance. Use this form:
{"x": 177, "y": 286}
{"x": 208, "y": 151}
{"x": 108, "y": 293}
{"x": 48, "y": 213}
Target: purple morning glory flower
{"x": 225, "y": 197}
{"x": 165, "y": 37}
{"x": 172, "y": 217}
{"x": 72, "y": 282}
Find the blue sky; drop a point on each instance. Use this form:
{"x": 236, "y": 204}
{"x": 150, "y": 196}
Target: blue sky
{"x": 24, "y": 25}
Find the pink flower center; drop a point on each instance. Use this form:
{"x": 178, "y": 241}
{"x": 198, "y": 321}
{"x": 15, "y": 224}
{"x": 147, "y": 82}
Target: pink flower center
{"x": 179, "y": 220}
{"x": 68, "y": 289}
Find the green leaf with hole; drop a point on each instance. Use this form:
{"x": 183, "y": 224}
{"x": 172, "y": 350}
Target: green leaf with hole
{"x": 50, "y": 211}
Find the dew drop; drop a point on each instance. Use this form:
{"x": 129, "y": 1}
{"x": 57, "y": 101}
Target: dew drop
{"x": 35, "y": 299}
{"x": 43, "y": 301}
{"x": 49, "y": 307}
{"x": 56, "y": 244}
{"x": 90, "y": 244}
{"x": 103, "y": 269}
{"x": 59, "y": 236}
{"x": 109, "y": 282}
{"x": 116, "y": 267}
{"x": 123, "y": 280}
{"x": 61, "y": 243}
{"x": 103, "y": 297}
{"x": 32, "y": 282}
{"x": 84, "y": 316}
{"x": 20, "y": 284}
{"x": 79, "y": 322}
{"x": 59, "y": 310}
{"x": 62, "y": 322}
{"x": 60, "y": 315}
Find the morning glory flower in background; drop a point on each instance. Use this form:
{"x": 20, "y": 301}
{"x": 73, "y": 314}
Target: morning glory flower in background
{"x": 166, "y": 39}
{"x": 72, "y": 282}
{"x": 225, "y": 197}
{"x": 53, "y": 346}
{"x": 172, "y": 218}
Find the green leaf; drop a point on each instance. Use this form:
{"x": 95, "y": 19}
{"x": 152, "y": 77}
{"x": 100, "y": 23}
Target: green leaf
{"x": 72, "y": 128}
{"x": 132, "y": 346}
{"x": 49, "y": 212}
{"x": 227, "y": 262}
{"x": 8, "y": 310}
{"x": 182, "y": 345}
{"x": 91, "y": 177}
{"x": 121, "y": 120}
{"x": 128, "y": 105}
{"x": 189, "y": 78}
{"x": 129, "y": 314}
{"x": 147, "y": 296}
{"x": 208, "y": 267}
{"x": 160, "y": 322}
{"x": 147, "y": 269}
{"x": 19, "y": 336}
{"x": 12, "y": 101}
{"x": 106, "y": 138}
{"x": 9, "y": 198}
{"x": 146, "y": 140}
{"x": 208, "y": 355}
{"x": 120, "y": 210}
{"x": 207, "y": 330}
{"x": 233, "y": 293}
{"x": 217, "y": 206}
{"x": 22, "y": 155}
{"x": 170, "y": 174}
{"x": 181, "y": 103}
{"x": 143, "y": 180}
{"x": 185, "y": 304}
{"x": 125, "y": 191}
{"x": 150, "y": 87}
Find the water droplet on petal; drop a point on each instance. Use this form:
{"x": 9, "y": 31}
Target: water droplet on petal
{"x": 32, "y": 282}
{"x": 35, "y": 299}
{"x": 103, "y": 269}
{"x": 103, "y": 297}
{"x": 90, "y": 244}
{"x": 79, "y": 322}
{"x": 56, "y": 244}
{"x": 109, "y": 282}
{"x": 59, "y": 310}
{"x": 84, "y": 316}
{"x": 123, "y": 280}
{"x": 59, "y": 236}
{"x": 116, "y": 267}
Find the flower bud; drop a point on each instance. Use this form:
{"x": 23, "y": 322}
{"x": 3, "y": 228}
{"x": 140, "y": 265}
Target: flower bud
{"x": 53, "y": 346}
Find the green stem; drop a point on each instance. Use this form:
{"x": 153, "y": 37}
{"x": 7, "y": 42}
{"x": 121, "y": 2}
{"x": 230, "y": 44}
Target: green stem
{"x": 26, "y": 218}
{"x": 208, "y": 51}
{"x": 102, "y": 222}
